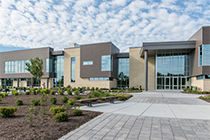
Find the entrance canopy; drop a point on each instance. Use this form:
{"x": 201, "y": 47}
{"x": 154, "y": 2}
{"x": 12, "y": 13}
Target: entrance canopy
{"x": 153, "y": 46}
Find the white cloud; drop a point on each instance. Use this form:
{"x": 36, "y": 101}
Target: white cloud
{"x": 124, "y": 22}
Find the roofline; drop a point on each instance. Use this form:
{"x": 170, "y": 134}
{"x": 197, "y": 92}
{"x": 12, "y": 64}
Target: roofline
{"x": 27, "y": 49}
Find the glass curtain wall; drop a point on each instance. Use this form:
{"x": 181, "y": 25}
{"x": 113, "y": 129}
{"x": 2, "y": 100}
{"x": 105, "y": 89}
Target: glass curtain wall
{"x": 123, "y": 72}
{"x": 172, "y": 67}
{"x": 204, "y": 55}
{"x": 73, "y": 69}
{"x": 58, "y": 68}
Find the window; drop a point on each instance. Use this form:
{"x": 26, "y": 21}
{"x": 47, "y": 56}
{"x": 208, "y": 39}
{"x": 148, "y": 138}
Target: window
{"x": 87, "y": 62}
{"x": 73, "y": 69}
{"x": 123, "y": 72}
{"x": 99, "y": 79}
{"x": 15, "y": 66}
{"x": 48, "y": 65}
{"x": 204, "y": 55}
{"x": 200, "y": 77}
{"x": 207, "y": 76}
{"x": 106, "y": 63}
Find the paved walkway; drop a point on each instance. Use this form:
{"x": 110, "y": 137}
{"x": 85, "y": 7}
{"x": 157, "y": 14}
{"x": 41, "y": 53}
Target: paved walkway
{"x": 148, "y": 115}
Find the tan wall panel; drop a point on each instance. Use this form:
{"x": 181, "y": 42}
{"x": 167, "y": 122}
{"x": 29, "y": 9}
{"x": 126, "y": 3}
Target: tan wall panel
{"x": 42, "y": 82}
{"x": 79, "y": 82}
{"x": 14, "y": 83}
{"x": 197, "y": 83}
{"x": 113, "y": 84}
{"x": 136, "y": 70}
{"x": 151, "y": 73}
{"x": 206, "y": 86}
{"x": 50, "y": 83}
{"x": 22, "y": 83}
{"x": 0, "y": 82}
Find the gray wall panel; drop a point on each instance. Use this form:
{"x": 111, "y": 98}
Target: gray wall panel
{"x": 42, "y": 53}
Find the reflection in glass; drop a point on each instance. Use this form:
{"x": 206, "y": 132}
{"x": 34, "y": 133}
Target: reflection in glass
{"x": 123, "y": 72}
{"x": 58, "y": 68}
{"x": 73, "y": 69}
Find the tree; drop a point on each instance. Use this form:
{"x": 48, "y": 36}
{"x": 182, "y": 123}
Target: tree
{"x": 35, "y": 67}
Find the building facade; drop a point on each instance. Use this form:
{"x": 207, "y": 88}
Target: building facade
{"x": 154, "y": 66}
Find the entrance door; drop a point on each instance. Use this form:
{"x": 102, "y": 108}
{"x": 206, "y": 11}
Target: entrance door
{"x": 167, "y": 83}
{"x": 175, "y": 83}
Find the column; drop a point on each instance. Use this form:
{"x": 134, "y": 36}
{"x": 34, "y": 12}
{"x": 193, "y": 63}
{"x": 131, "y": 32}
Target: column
{"x": 18, "y": 82}
{"x": 47, "y": 82}
{"x": 146, "y": 69}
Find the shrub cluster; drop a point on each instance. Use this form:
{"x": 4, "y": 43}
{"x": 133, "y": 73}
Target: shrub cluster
{"x": 7, "y": 111}
{"x": 52, "y": 92}
{"x": 69, "y": 91}
{"x": 57, "y": 109}
{"x": 19, "y": 102}
{"x": 53, "y": 100}
{"x": 15, "y": 92}
{"x": 59, "y": 114}
{"x": 205, "y": 97}
{"x": 27, "y": 93}
{"x": 71, "y": 102}
{"x": 35, "y": 102}
{"x": 64, "y": 99}
{"x": 77, "y": 112}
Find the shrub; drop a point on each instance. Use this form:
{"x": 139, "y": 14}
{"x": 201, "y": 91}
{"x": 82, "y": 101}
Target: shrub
{"x": 0, "y": 89}
{"x": 7, "y": 111}
{"x": 83, "y": 88}
{"x": 76, "y": 97}
{"x": 5, "y": 94}
{"x": 74, "y": 88}
{"x": 57, "y": 109}
{"x": 77, "y": 112}
{"x": 33, "y": 91}
{"x": 27, "y": 93}
{"x": 1, "y": 94}
{"x": 0, "y": 98}
{"x": 37, "y": 91}
{"x": 92, "y": 88}
{"x": 78, "y": 88}
{"x": 60, "y": 92}
{"x": 96, "y": 88}
{"x": 46, "y": 91}
{"x": 68, "y": 86}
{"x": 35, "y": 102}
{"x": 90, "y": 96}
{"x": 61, "y": 117}
{"x": 76, "y": 92}
{"x": 53, "y": 100}
{"x": 71, "y": 102}
{"x": 52, "y": 92}
{"x": 185, "y": 89}
{"x": 64, "y": 99}
{"x": 15, "y": 92}
{"x": 69, "y": 91}
{"x": 19, "y": 102}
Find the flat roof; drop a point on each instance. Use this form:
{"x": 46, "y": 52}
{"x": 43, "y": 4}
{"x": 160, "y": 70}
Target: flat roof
{"x": 152, "y": 46}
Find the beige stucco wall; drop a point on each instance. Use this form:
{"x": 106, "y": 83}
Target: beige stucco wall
{"x": 113, "y": 84}
{"x": 0, "y": 82}
{"x": 50, "y": 84}
{"x": 14, "y": 83}
{"x": 79, "y": 82}
{"x": 204, "y": 84}
{"x": 22, "y": 83}
{"x": 136, "y": 70}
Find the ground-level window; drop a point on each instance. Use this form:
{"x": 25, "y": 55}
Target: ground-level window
{"x": 200, "y": 77}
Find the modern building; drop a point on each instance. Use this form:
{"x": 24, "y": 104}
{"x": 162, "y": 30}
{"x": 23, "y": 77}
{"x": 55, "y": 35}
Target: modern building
{"x": 154, "y": 66}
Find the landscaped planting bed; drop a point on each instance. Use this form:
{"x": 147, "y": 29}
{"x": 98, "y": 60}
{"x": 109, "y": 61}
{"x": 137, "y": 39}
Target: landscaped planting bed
{"x": 38, "y": 122}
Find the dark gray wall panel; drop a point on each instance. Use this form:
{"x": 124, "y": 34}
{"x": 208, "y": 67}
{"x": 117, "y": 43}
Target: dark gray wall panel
{"x": 42, "y": 53}
{"x": 206, "y": 35}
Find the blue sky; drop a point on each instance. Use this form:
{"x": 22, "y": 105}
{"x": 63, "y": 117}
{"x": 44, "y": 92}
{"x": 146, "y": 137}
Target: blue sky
{"x": 126, "y": 23}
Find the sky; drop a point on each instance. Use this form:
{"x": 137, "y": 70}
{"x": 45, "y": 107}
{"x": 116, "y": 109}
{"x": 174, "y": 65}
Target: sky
{"x": 28, "y": 24}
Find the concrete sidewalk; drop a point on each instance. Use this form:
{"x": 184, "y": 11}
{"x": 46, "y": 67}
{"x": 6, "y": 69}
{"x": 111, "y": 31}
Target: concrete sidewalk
{"x": 148, "y": 115}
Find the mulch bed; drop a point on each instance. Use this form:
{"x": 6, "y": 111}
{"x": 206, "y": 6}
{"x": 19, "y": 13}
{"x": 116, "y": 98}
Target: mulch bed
{"x": 45, "y": 127}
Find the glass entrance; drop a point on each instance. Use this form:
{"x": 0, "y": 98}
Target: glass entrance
{"x": 172, "y": 69}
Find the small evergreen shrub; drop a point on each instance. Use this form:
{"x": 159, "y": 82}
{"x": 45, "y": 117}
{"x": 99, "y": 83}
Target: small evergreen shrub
{"x": 77, "y": 112}
{"x": 68, "y": 86}
{"x": 53, "y": 101}
{"x": 57, "y": 109}
{"x": 37, "y": 91}
{"x": 61, "y": 117}
{"x": 74, "y": 88}
{"x": 52, "y": 92}
{"x": 71, "y": 102}
{"x": 76, "y": 92}
{"x": 64, "y": 99}
{"x": 60, "y": 92}
{"x": 92, "y": 88}
{"x": 7, "y": 111}
{"x": 33, "y": 91}
{"x": 35, "y": 102}
{"x": 27, "y": 93}
{"x": 69, "y": 91}
{"x": 15, "y": 92}
{"x": 5, "y": 94}
{"x": 0, "y": 98}
{"x": 2, "y": 95}
{"x": 88, "y": 88}
{"x": 19, "y": 102}
{"x": 96, "y": 88}
{"x": 76, "y": 97}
